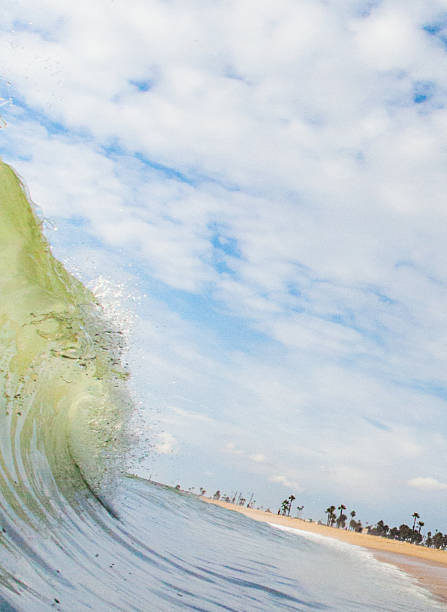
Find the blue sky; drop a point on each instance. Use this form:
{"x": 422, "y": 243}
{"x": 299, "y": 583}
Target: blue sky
{"x": 258, "y": 191}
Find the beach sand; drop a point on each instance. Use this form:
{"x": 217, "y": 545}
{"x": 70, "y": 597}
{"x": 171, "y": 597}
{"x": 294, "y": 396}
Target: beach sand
{"x": 427, "y": 565}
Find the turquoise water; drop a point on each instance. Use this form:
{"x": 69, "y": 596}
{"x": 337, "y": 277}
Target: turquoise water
{"x": 75, "y": 533}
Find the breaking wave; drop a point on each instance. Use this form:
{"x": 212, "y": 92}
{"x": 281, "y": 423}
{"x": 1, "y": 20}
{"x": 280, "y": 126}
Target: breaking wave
{"x": 63, "y": 405}
{"x": 76, "y": 536}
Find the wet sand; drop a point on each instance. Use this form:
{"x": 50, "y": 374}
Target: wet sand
{"x": 429, "y": 574}
{"x": 427, "y": 565}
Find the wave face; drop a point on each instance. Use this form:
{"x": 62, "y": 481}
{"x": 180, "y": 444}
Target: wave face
{"x": 63, "y": 441}
{"x": 63, "y": 406}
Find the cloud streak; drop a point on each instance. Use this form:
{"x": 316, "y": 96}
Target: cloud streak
{"x": 427, "y": 484}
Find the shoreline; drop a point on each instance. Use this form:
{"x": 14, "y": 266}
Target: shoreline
{"x": 427, "y": 565}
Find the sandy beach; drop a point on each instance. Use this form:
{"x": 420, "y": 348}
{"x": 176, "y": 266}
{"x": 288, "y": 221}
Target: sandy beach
{"x": 427, "y": 565}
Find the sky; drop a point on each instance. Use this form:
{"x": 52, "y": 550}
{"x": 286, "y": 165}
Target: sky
{"x": 258, "y": 188}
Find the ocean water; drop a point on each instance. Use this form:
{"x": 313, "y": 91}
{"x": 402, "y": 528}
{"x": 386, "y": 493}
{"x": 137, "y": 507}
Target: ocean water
{"x": 76, "y": 533}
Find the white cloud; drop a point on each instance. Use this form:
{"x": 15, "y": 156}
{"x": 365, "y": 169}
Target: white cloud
{"x": 165, "y": 444}
{"x": 257, "y": 458}
{"x": 284, "y": 480}
{"x": 427, "y": 484}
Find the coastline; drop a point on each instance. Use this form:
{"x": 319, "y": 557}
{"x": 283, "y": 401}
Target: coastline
{"x": 428, "y": 566}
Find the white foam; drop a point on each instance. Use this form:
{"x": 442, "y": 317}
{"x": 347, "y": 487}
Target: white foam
{"x": 327, "y": 540}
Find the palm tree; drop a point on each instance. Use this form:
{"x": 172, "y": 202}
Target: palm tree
{"x": 291, "y": 499}
{"x": 341, "y": 507}
{"x": 330, "y": 514}
{"x": 415, "y": 515}
{"x": 420, "y": 524}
